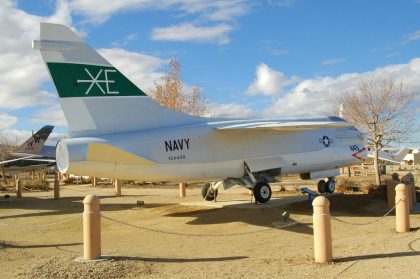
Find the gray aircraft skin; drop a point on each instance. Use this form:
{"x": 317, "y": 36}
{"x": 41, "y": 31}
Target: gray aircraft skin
{"x": 119, "y": 132}
{"x": 28, "y": 156}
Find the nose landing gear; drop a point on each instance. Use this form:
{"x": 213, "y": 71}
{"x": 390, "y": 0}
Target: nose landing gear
{"x": 209, "y": 193}
{"x": 328, "y": 186}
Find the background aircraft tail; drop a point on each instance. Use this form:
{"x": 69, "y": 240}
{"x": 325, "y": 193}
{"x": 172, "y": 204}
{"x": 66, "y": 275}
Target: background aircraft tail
{"x": 401, "y": 154}
{"x": 34, "y": 144}
{"x": 97, "y": 98}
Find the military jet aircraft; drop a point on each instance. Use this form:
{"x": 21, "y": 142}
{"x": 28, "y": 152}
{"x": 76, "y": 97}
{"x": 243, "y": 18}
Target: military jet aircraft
{"x": 28, "y": 156}
{"x": 119, "y": 132}
{"x": 388, "y": 156}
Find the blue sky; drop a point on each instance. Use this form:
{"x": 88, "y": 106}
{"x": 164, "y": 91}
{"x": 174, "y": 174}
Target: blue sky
{"x": 251, "y": 58}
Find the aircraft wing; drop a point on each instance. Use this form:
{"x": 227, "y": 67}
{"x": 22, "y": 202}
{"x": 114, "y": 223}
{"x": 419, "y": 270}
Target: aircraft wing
{"x": 282, "y": 125}
{"x": 41, "y": 160}
{"x": 35, "y": 158}
{"x": 389, "y": 157}
{"x": 17, "y": 159}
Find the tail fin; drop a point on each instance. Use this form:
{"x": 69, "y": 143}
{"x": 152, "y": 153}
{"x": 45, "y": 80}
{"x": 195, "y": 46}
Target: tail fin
{"x": 401, "y": 154}
{"x": 34, "y": 144}
{"x": 97, "y": 98}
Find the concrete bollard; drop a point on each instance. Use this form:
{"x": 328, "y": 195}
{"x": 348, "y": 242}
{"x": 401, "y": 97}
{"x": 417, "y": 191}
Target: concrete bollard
{"x": 56, "y": 185}
{"x": 322, "y": 230}
{"x": 91, "y": 228}
{"x": 182, "y": 190}
{"x": 402, "y": 209}
{"x": 390, "y": 190}
{"x": 94, "y": 181}
{"x": 18, "y": 188}
{"x": 408, "y": 180}
{"x": 117, "y": 186}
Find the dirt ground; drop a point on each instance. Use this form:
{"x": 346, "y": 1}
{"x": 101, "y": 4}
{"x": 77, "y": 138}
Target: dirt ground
{"x": 165, "y": 238}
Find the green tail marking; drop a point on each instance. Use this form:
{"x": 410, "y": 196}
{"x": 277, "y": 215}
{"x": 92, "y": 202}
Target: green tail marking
{"x": 80, "y": 80}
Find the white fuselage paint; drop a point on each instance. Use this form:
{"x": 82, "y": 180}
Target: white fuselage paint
{"x": 202, "y": 153}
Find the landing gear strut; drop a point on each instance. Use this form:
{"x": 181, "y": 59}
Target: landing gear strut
{"x": 261, "y": 189}
{"x": 208, "y": 193}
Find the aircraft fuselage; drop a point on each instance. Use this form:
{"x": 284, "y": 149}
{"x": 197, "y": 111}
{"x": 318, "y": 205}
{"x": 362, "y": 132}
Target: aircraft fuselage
{"x": 201, "y": 153}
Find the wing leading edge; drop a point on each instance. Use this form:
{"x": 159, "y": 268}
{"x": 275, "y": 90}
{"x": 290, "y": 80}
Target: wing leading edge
{"x": 282, "y": 124}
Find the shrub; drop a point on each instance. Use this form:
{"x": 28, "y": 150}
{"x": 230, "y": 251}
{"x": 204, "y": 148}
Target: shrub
{"x": 347, "y": 185}
{"x": 36, "y": 184}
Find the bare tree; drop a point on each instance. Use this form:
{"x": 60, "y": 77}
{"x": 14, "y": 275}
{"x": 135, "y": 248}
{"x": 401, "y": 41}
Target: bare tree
{"x": 8, "y": 142}
{"x": 170, "y": 93}
{"x": 383, "y": 110}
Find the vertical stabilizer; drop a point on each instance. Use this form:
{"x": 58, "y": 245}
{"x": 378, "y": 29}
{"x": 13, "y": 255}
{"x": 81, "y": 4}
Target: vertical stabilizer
{"x": 97, "y": 98}
{"x": 34, "y": 144}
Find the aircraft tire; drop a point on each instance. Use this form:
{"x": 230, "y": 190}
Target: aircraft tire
{"x": 207, "y": 193}
{"x": 262, "y": 192}
{"x": 322, "y": 187}
{"x": 330, "y": 186}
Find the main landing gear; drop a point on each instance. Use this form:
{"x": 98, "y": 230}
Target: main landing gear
{"x": 209, "y": 191}
{"x": 328, "y": 186}
{"x": 262, "y": 192}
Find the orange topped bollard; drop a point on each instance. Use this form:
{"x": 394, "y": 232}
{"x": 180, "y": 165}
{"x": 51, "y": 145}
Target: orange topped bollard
{"x": 91, "y": 228}
{"x": 402, "y": 212}
{"x": 322, "y": 230}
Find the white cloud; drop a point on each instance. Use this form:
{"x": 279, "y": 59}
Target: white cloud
{"x": 127, "y": 39}
{"x": 230, "y": 110}
{"x": 282, "y": 3}
{"x": 318, "y": 96}
{"x": 269, "y": 82}
{"x": 412, "y": 37}
{"x": 7, "y": 120}
{"x": 222, "y": 10}
{"x": 17, "y": 137}
{"x": 51, "y": 114}
{"x": 140, "y": 68}
{"x": 55, "y": 137}
{"x": 333, "y": 61}
{"x": 188, "y": 32}
{"x": 21, "y": 70}
{"x": 100, "y": 10}
{"x": 396, "y": 53}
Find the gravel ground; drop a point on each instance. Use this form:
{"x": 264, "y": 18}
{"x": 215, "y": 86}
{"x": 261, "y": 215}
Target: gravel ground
{"x": 30, "y": 248}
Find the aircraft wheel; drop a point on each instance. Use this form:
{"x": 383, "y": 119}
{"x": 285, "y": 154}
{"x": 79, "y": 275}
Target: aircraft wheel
{"x": 330, "y": 185}
{"x": 208, "y": 193}
{"x": 262, "y": 192}
{"x": 322, "y": 186}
